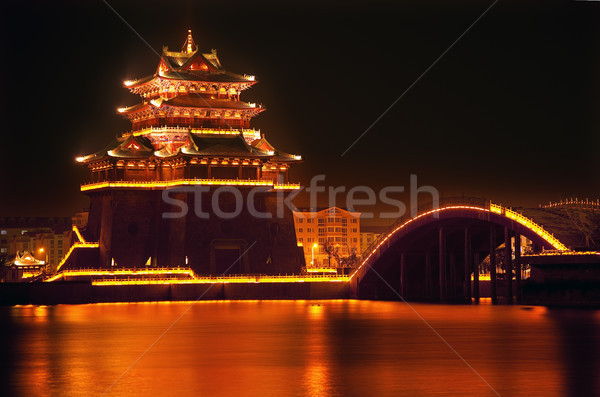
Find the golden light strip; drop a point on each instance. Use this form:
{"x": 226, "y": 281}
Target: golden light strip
{"x": 179, "y": 182}
{"x": 187, "y": 182}
{"x": 493, "y": 208}
{"x": 321, "y": 270}
{"x": 289, "y": 186}
{"x": 126, "y": 272}
{"x": 73, "y": 247}
{"x": 559, "y": 253}
{"x": 229, "y": 280}
{"x": 79, "y": 236}
{"x": 528, "y": 223}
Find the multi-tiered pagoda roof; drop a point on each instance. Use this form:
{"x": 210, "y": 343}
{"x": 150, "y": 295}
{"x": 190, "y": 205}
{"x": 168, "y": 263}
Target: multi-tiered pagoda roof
{"x": 190, "y": 125}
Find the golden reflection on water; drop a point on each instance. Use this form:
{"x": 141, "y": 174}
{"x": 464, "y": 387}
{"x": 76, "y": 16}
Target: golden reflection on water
{"x": 306, "y": 348}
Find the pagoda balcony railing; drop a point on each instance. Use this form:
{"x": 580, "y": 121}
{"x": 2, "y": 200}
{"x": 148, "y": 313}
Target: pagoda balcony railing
{"x": 189, "y": 182}
{"x": 177, "y": 129}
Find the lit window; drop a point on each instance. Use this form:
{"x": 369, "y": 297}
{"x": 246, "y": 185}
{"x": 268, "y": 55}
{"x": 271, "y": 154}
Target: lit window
{"x": 3, "y": 250}
{"x": 3, "y": 232}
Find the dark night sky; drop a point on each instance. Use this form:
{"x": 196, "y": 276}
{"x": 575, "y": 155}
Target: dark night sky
{"x": 510, "y": 113}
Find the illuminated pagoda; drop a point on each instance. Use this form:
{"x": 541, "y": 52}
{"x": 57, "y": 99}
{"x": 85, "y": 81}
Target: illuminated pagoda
{"x": 23, "y": 267}
{"x": 190, "y": 131}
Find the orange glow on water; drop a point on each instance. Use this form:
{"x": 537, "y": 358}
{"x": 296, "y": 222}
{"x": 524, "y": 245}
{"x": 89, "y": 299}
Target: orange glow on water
{"x": 308, "y": 348}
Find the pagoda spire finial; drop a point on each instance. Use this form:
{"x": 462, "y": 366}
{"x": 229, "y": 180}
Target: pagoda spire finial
{"x": 189, "y": 45}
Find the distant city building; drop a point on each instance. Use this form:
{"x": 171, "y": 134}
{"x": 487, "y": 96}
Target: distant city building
{"x": 328, "y": 236}
{"x": 80, "y": 219}
{"x": 368, "y": 234}
{"x": 20, "y": 234}
{"x": 44, "y": 244}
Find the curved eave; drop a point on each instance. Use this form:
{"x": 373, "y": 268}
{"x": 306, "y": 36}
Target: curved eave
{"x": 210, "y": 78}
{"x": 142, "y": 107}
{"x": 127, "y": 155}
{"x": 286, "y": 158}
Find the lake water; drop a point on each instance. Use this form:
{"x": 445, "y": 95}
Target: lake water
{"x": 298, "y": 348}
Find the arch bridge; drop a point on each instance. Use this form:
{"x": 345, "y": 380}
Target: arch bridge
{"x": 436, "y": 254}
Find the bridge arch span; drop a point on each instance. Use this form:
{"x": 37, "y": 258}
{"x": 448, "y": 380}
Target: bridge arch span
{"x": 433, "y": 254}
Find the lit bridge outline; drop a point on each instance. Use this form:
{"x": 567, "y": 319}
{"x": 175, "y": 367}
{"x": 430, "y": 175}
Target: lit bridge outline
{"x": 464, "y": 213}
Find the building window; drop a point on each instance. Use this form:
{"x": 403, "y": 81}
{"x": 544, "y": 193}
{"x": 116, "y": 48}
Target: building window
{"x": 300, "y": 230}
{"x": 310, "y": 239}
{"x": 310, "y": 220}
{"x": 321, "y": 231}
{"x": 4, "y": 241}
{"x": 354, "y": 230}
{"x": 300, "y": 220}
{"x": 309, "y": 230}
{"x": 3, "y": 232}
{"x": 300, "y": 240}
{"x": 321, "y": 221}
{"x": 60, "y": 243}
{"x": 3, "y": 250}
{"x": 353, "y": 220}
{"x": 321, "y": 240}
{"x": 330, "y": 229}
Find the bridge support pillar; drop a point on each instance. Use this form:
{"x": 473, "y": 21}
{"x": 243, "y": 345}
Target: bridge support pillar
{"x": 508, "y": 265}
{"x": 476, "y": 262}
{"x": 493, "y": 291}
{"x": 468, "y": 267}
{"x": 451, "y": 280}
{"x": 442, "y": 263}
{"x": 403, "y": 275}
{"x": 518, "y": 267}
{"x": 428, "y": 274}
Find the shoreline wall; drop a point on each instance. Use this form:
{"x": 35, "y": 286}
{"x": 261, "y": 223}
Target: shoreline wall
{"x": 83, "y": 292}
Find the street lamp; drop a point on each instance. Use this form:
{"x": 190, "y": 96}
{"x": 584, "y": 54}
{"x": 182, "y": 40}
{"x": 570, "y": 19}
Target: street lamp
{"x": 41, "y": 252}
{"x": 315, "y": 245}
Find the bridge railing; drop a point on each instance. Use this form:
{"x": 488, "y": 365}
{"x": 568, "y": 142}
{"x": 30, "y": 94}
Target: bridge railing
{"x": 472, "y": 202}
{"x": 429, "y": 206}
